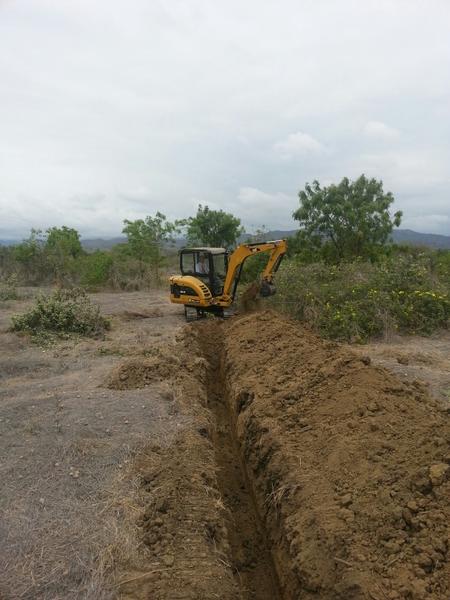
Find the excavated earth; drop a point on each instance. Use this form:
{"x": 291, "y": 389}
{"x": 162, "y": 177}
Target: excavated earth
{"x": 304, "y": 472}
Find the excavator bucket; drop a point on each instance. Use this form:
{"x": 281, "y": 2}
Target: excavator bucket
{"x": 249, "y": 299}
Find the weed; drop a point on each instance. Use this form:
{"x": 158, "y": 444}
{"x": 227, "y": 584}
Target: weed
{"x": 61, "y": 314}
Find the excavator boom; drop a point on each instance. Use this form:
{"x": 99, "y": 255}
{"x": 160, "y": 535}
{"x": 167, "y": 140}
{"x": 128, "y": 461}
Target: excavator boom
{"x": 277, "y": 250}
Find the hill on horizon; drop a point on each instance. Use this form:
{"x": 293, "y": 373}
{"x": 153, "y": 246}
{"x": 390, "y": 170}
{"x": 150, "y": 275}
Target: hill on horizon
{"x": 399, "y": 236}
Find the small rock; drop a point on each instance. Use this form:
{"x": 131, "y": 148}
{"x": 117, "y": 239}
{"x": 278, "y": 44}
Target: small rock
{"x": 403, "y": 360}
{"x": 407, "y": 516}
{"x": 346, "y": 514}
{"x": 425, "y": 561}
{"x": 438, "y": 473}
{"x": 412, "y": 506}
{"x": 346, "y": 500}
{"x": 373, "y": 407}
{"x": 168, "y": 560}
{"x": 440, "y": 545}
{"x": 421, "y": 482}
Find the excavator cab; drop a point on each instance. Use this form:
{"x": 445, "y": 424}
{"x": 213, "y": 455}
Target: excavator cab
{"x": 210, "y": 276}
{"x": 210, "y": 265}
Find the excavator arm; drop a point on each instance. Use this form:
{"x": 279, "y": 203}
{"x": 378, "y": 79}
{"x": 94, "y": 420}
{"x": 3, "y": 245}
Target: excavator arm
{"x": 236, "y": 261}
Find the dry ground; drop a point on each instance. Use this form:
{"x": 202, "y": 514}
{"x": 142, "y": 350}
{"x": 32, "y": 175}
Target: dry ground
{"x": 83, "y": 448}
{"x": 65, "y": 437}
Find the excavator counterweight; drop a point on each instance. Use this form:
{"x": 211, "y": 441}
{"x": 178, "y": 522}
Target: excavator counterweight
{"x": 210, "y": 276}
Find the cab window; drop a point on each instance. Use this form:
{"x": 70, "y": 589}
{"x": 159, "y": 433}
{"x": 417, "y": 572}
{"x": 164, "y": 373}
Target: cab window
{"x": 220, "y": 265}
{"x": 187, "y": 263}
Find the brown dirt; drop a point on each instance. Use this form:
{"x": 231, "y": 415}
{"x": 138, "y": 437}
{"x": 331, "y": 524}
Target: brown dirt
{"x": 245, "y": 459}
{"x": 342, "y": 457}
{"x": 66, "y": 443}
{"x": 425, "y": 359}
{"x": 140, "y": 372}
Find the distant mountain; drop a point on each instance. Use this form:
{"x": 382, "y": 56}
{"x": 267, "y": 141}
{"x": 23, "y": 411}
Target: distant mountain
{"x": 431, "y": 240}
{"x": 101, "y": 243}
{"x": 399, "y": 236}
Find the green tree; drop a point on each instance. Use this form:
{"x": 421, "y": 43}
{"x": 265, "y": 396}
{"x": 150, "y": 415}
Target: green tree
{"x": 345, "y": 221}
{"x": 146, "y": 238}
{"x": 213, "y": 228}
{"x": 63, "y": 241}
{"x": 96, "y": 268}
{"x": 62, "y": 248}
{"x": 30, "y": 257}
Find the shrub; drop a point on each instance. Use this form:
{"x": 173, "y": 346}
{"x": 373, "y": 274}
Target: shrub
{"x": 95, "y": 268}
{"x": 8, "y": 288}
{"x": 62, "y": 313}
{"x": 357, "y": 301}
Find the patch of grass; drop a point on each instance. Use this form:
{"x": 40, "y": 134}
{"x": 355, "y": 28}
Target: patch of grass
{"x": 62, "y": 314}
{"x": 8, "y": 288}
{"x": 358, "y": 301}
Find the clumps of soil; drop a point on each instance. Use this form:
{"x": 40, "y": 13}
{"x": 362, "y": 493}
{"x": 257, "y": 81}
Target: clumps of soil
{"x": 350, "y": 467}
{"x": 181, "y": 525}
{"x": 139, "y": 372}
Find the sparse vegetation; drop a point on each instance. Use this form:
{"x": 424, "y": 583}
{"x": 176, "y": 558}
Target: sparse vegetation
{"x": 8, "y": 288}
{"x": 355, "y": 301}
{"x": 62, "y": 313}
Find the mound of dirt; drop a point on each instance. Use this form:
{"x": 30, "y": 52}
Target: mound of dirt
{"x": 350, "y": 466}
{"x": 299, "y": 470}
{"x": 139, "y": 372}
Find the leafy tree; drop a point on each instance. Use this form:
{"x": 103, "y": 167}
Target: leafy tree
{"x": 146, "y": 238}
{"x": 213, "y": 228}
{"x": 30, "y": 255}
{"x": 62, "y": 247}
{"x": 63, "y": 241}
{"x": 96, "y": 268}
{"x": 345, "y": 221}
{"x": 29, "y": 249}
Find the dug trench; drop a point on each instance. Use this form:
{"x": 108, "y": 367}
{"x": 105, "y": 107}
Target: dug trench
{"x": 301, "y": 471}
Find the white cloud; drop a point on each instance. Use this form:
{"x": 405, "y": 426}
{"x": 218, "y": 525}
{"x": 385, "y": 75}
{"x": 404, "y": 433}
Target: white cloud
{"x": 379, "y": 130}
{"x": 297, "y": 144}
{"x": 258, "y": 208}
{"x": 428, "y": 223}
{"x": 122, "y": 109}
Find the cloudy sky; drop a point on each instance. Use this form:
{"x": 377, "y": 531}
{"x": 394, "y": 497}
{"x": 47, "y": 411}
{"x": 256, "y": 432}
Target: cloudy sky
{"x": 114, "y": 109}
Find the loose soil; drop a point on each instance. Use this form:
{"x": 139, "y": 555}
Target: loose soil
{"x": 239, "y": 459}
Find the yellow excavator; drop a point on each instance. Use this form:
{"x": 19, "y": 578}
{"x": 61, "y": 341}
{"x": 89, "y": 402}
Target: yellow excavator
{"x": 210, "y": 276}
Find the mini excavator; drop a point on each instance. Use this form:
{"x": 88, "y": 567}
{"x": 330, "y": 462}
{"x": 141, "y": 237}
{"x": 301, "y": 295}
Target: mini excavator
{"x": 210, "y": 276}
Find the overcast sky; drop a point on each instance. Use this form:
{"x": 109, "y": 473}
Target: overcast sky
{"x": 116, "y": 109}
